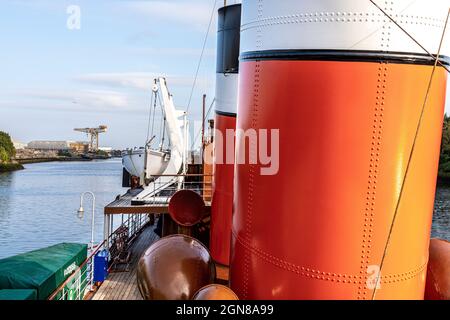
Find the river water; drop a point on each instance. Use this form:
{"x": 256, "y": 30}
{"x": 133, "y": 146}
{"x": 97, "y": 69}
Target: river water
{"x": 38, "y": 205}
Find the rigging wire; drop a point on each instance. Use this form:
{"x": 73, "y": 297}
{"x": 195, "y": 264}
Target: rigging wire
{"x": 162, "y": 124}
{"x": 206, "y": 116}
{"x": 410, "y": 36}
{"x": 149, "y": 119}
{"x": 201, "y": 55}
{"x": 154, "y": 113}
{"x": 394, "y": 218}
{"x": 385, "y": 24}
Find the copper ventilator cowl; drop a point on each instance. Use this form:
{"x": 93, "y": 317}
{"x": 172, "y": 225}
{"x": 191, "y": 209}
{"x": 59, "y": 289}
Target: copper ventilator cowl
{"x": 186, "y": 208}
{"x": 215, "y": 292}
{"x": 174, "y": 268}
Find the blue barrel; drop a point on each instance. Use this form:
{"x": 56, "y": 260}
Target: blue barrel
{"x": 101, "y": 266}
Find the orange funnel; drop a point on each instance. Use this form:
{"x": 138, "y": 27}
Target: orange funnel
{"x": 345, "y": 87}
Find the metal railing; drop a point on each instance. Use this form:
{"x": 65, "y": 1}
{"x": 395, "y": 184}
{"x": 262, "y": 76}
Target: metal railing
{"x": 133, "y": 224}
{"x": 81, "y": 281}
{"x": 162, "y": 191}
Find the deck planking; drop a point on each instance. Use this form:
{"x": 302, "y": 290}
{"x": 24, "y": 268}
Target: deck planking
{"x": 123, "y": 285}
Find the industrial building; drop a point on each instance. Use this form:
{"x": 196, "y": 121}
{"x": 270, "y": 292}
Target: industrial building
{"x": 19, "y": 145}
{"x": 74, "y": 146}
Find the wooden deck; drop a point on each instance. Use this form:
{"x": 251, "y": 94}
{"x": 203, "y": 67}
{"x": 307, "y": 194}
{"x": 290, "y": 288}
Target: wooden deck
{"x": 123, "y": 285}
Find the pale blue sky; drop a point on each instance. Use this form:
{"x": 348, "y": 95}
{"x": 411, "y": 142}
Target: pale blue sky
{"x": 53, "y": 79}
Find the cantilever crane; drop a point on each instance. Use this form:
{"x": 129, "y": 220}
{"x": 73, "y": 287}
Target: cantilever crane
{"x": 93, "y": 133}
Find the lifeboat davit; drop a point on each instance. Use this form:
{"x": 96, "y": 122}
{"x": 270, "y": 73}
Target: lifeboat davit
{"x": 345, "y": 87}
{"x": 157, "y": 168}
{"x": 226, "y": 105}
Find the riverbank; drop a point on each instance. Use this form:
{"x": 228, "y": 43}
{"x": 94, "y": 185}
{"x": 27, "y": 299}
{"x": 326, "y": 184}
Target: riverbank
{"x": 9, "y": 167}
{"x": 55, "y": 159}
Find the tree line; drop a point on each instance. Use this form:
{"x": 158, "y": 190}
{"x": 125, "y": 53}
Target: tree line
{"x": 444, "y": 164}
{"x": 7, "y": 150}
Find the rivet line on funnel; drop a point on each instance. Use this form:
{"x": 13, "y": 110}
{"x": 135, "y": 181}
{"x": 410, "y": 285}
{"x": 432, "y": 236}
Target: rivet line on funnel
{"x": 252, "y": 147}
{"x": 375, "y": 151}
{"x": 413, "y": 148}
{"x": 357, "y": 18}
{"x": 252, "y": 169}
{"x": 360, "y": 16}
{"x": 323, "y": 275}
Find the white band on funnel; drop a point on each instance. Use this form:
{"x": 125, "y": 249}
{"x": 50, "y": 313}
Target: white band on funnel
{"x": 343, "y": 25}
{"x": 226, "y": 93}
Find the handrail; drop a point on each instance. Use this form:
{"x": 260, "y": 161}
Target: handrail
{"x": 83, "y": 264}
{"x": 72, "y": 276}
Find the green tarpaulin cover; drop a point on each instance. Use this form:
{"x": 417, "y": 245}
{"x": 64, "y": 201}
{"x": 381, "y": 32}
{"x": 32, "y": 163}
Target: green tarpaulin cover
{"x": 43, "y": 270}
{"x": 18, "y": 294}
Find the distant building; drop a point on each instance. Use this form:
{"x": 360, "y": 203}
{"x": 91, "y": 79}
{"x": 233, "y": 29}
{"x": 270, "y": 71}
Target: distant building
{"x": 74, "y": 146}
{"x": 19, "y": 145}
{"x": 49, "y": 145}
{"x": 105, "y": 149}
{"x": 79, "y": 147}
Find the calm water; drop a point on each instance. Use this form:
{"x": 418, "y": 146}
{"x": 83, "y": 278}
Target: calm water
{"x": 38, "y": 205}
{"x": 441, "y": 217}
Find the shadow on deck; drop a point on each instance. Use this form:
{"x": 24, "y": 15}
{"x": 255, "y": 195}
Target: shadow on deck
{"x": 123, "y": 285}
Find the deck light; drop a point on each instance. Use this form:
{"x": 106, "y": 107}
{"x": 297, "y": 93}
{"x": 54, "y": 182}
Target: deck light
{"x": 80, "y": 213}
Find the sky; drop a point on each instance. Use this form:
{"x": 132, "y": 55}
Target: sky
{"x": 55, "y": 77}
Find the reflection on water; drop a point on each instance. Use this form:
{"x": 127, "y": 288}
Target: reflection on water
{"x": 441, "y": 217}
{"x": 38, "y": 205}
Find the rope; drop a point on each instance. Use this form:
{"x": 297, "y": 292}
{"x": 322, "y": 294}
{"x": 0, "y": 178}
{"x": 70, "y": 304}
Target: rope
{"x": 201, "y": 56}
{"x": 394, "y": 218}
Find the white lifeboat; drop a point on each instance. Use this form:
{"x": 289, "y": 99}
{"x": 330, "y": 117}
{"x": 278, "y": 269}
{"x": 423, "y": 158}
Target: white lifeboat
{"x": 150, "y": 163}
{"x": 158, "y": 167}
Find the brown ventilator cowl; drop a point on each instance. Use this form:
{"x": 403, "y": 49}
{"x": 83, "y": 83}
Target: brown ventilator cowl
{"x": 186, "y": 208}
{"x": 174, "y": 268}
{"x": 215, "y": 292}
{"x": 438, "y": 273}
